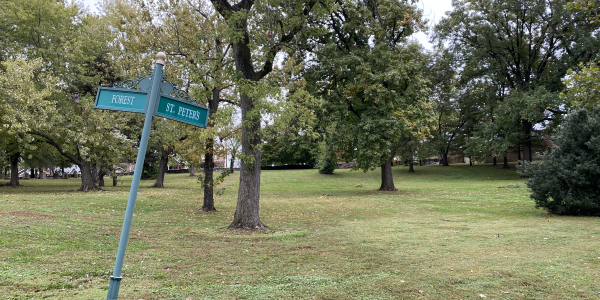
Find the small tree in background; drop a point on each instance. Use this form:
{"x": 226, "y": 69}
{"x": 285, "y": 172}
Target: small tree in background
{"x": 568, "y": 180}
{"x": 327, "y": 159}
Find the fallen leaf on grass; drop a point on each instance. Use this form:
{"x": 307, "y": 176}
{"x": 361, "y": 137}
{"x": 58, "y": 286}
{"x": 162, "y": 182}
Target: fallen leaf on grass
{"x": 482, "y": 296}
{"x": 421, "y": 291}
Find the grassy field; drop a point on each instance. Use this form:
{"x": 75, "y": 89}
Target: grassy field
{"x": 455, "y": 232}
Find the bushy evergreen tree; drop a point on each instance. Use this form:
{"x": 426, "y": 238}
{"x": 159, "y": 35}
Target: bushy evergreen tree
{"x": 568, "y": 180}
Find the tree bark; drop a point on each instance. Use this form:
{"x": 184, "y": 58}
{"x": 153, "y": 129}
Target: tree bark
{"x": 387, "y": 179}
{"x": 162, "y": 168}
{"x": 32, "y": 175}
{"x": 87, "y": 181}
{"x": 410, "y": 166}
{"x": 95, "y": 173}
{"x": 470, "y": 161}
{"x": 192, "y": 171}
{"x": 14, "y": 169}
{"x": 445, "y": 159}
{"x": 231, "y": 164}
{"x": 101, "y": 174}
{"x": 209, "y": 167}
{"x": 209, "y": 200}
{"x": 246, "y": 212}
{"x": 527, "y": 127}
{"x": 494, "y": 161}
{"x": 505, "y": 165}
{"x": 114, "y": 180}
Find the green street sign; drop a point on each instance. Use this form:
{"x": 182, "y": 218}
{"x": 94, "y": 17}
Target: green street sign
{"x": 121, "y": 99}
{"x": 182, "y": 111}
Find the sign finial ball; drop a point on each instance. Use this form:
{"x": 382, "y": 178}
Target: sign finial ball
{"x": 160, "y": 58}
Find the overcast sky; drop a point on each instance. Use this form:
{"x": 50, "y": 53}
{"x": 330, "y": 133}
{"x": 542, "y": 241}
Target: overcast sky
{"x": 433, "y": 10}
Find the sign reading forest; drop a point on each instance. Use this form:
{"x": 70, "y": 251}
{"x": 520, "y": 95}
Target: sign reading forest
{"x": 121, "y": 99}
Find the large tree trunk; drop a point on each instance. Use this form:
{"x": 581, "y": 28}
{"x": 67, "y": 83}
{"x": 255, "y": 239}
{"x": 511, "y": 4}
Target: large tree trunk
{"x": 162, "y": 168}
{"x": 387, "y": 179}
{"x": 505, "y": 165}
{"x": 14, "y": 169}
{"x": 95, "y": 173}
{"x": 494, "y": 160}
{"x": 231, "y": 164}
{"x": 209, "y": 200}
{"x": 246, "y": 212}
{"x": 445, "y": 159}
{"x": 527, "y": 127}
{"x": 410, "y": 166}
{"x": 87, "y": 181}
{"x": 32, "y": 175}
{"x": 114, "y": 180}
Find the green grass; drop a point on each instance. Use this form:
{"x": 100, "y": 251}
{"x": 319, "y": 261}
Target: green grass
{"x": 453, "y": 232}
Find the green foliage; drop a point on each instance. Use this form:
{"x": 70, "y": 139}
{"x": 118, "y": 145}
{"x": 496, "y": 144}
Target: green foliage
{"x": 288, "y": 148}
{"x": 369, "y": 102}
{"x": 450, "y": 107}
{"x": 568, "y": 180}
{"x": 502, "y": 44}
{"x": 293, "y": 137}
{"x": 150, "y": 170}
{"x": 583, "y": 87}
{"x": 217, "y": 181}
{"x": 327, "y": 159}
{"x": 327, "y": 166}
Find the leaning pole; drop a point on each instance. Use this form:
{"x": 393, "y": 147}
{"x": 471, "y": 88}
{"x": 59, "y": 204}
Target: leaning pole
{"x": 115, "y": 279}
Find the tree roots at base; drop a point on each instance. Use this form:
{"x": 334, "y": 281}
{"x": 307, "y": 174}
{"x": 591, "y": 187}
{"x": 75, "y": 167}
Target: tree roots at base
{"x": 260, "y": 226}
{"x": 388, "y": 189}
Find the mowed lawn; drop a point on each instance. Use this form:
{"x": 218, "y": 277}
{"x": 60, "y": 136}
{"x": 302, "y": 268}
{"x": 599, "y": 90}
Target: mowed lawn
{"x": 455, "y": 232}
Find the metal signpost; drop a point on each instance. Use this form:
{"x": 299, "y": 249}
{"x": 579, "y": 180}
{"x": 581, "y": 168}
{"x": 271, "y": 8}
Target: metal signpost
{"x": 125, "y": 97}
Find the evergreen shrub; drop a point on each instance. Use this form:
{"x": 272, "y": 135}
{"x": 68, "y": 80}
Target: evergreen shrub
{"x": 567, "y": 181}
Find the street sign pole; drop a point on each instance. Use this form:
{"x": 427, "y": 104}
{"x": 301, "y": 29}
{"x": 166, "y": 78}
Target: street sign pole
{"x": 115, "y": 279}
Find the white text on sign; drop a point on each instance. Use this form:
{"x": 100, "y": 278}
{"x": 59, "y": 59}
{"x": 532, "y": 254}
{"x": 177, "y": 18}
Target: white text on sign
{"x": 184, "y": 112}
{"x": 121, "y": 99}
